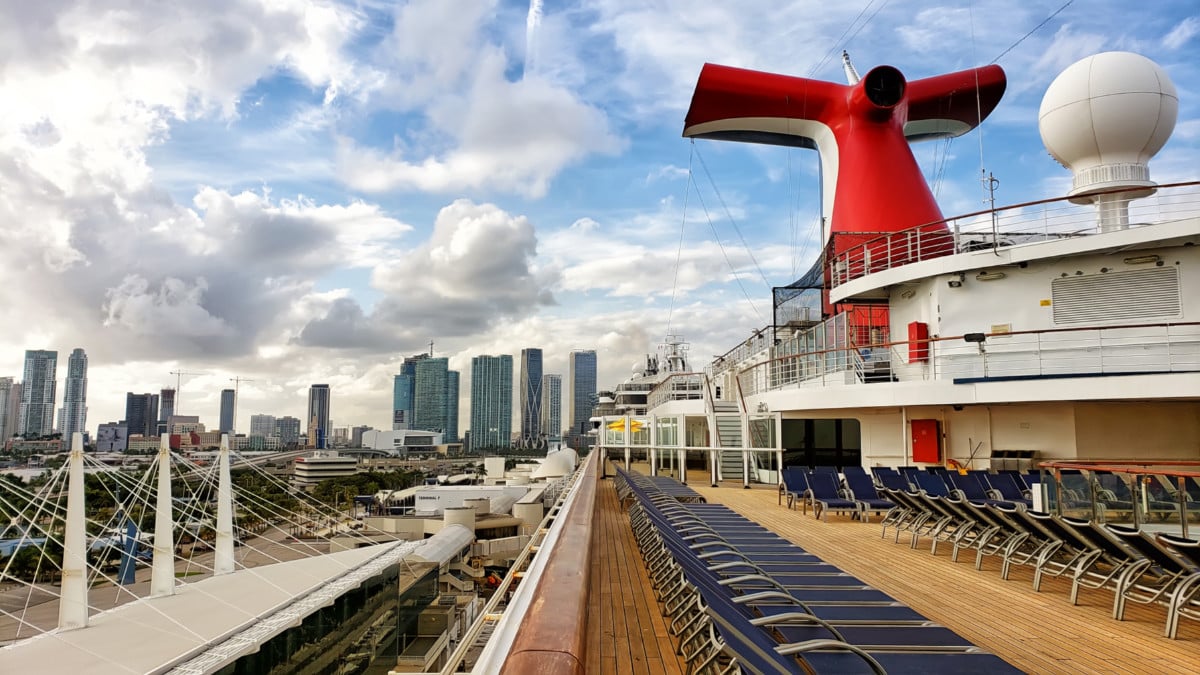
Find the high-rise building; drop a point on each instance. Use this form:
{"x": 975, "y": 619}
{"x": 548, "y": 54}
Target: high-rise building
{"x": 73, "y": 415}
{"x": 531, "y": 394}
{"x": 228, "y": 406}
{"x": 287, "y": 428}
{"x": 435, "y": 398}
{"x": 452, "y": 382}
{"x": 403, "y": 392}
{"x": 10, "y": 403}
{"x": 38, "y": 392}
{"x": 318, "y": 415}
{"x": 141, "y": 414}
{"x": 166, "y": 408}
{"x": 491, "y": 401}
{"x": 552, "y": 407}
{"x": 262, "y": 425}
{"x": 581, "y": 385}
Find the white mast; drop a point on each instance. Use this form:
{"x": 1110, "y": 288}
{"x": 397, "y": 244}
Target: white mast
{"x": 72, "y": 605}
{"x": 851, "y": 74}
{"x": 162, "y": 580}
{"x": 223, "y": 564}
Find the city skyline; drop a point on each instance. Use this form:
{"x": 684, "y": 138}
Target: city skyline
{"x": 164, "y": 402}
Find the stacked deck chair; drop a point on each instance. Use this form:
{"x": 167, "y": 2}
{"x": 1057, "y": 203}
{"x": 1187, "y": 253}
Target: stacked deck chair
{"x": 741, "y": 599}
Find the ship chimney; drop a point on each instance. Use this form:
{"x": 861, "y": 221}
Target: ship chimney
{"x": 1103, "y": 118}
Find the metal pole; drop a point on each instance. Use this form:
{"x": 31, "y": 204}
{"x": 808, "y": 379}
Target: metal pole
{"x": 746, "y": 468}
{"x": 1183, "y": 516}
{"x": 712, "y": 468}
{"x": 682, "y": 466}
{"x": 653, "y": 461}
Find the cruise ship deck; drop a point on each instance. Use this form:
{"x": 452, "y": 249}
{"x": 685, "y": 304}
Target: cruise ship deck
{"x": 1036, "y": 632}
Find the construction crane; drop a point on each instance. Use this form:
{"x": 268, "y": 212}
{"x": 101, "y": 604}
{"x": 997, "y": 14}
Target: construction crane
{"x": 178, "y": 382}
{"x": 237, "y": 382}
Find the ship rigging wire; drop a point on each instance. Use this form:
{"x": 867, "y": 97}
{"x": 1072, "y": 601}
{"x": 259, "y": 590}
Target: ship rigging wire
{"x": 1033, "y": 30}
{"x": 687, "y": 191}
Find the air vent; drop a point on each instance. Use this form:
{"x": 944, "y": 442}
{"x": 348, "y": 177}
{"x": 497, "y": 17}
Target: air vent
{"x": 1119, "y": 296}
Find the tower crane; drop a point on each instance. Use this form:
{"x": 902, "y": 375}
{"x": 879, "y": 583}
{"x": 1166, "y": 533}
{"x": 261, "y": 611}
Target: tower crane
{"x": 237, "y": 382}
{"x": 178, "y": 382}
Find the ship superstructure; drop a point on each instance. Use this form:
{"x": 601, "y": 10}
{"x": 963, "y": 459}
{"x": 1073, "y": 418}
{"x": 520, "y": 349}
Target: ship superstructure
{"x": 1061, "y": 328}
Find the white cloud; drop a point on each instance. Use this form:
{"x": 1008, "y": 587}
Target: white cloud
{"x": 1182, "y": 33}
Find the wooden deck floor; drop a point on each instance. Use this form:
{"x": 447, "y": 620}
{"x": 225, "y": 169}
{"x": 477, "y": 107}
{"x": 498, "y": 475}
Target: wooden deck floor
{"x": 626, "y": 631}
{"x": 1037, "y": 632}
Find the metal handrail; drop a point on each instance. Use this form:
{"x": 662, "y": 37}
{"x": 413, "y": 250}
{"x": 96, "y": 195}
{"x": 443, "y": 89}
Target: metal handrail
{"x": 855, "y": 262}
{"x": 959, "y": 338}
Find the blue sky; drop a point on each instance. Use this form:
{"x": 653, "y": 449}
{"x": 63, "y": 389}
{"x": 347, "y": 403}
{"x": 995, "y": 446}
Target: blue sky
{"x": 307, "y": 192}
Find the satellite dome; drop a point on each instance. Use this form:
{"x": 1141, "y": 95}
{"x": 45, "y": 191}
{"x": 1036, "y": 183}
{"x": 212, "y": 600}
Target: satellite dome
{"x": 1104, "y": 117}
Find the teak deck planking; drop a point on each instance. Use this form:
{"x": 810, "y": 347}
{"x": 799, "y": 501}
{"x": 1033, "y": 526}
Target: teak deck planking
{"x": 626, "y": 631}
{"x": 1037, "y": 632}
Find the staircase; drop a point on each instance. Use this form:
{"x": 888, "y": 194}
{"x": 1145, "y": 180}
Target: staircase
{"x": 729, "y": 435}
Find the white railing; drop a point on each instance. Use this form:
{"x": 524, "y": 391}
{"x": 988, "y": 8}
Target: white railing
{"x": 680, "y": 387}
{"x": 756, "y": 345}
{"x": 1119, "y": 350}
{"x": 1006, "y": 226}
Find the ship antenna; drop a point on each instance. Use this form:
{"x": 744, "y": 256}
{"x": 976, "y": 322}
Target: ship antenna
{"x": 852, "y": 77}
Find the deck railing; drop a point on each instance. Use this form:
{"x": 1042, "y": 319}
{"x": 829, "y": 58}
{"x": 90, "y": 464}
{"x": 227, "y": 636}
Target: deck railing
{"x": 1028, "y": 222}
{"x": 1057, "y": 352}
{"x": 678, "y": 387}
{"x": 1158, "y": 495}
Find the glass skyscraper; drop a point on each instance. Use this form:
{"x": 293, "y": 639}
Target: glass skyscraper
{"x": 318, "y": 415}
{"x": 228, "y": 406}
{"x": 72, "y": 416}
{"x": 531, "y": 394}
{"x": 435, "y": 398}
{"x": 581, "y": 381}
{"x": 552, "y": 407}
{"x": 141, "y": 414}
{"x": 38, "y": 392}
{"x": 491, "y": 401}
{"x": 403, "y": 392}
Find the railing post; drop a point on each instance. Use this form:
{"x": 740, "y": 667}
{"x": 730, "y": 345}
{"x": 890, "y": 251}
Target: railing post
{"x": 1183, "y": 516}
{"x": 1139, "y": 499}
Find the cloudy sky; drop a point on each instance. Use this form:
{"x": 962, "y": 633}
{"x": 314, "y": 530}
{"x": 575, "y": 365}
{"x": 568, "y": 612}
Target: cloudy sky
{"x": 297, "y": 192}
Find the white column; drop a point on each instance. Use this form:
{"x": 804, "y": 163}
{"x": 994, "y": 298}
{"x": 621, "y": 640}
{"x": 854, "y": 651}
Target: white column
{"x": 72, "y": 606}
{"x": 223, "y": 564}
{"x": 162, "y": 579}
{"x": 628, "y": 441}
{"x": 682, "y": 466}
{"x": 746, "y": 468}
{"x": 653, "y": 461}
{"x": 712, "y": 466}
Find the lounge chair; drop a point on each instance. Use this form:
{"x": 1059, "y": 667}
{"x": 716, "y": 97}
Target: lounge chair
{"x": 862, "y": 489}
{"x": 823, "y": 495}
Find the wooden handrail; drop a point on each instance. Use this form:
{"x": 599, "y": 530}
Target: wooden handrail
{"x": 1143, "y": 467}
{"x": 552, "y": 639}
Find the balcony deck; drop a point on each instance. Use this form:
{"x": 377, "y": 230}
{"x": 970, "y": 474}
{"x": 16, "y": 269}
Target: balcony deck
{"x": 1037, "y": 632}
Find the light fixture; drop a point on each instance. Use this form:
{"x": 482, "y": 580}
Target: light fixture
{"x": 990, "y": 276}
{"x": 957, "y": 280}
{"x": 1142, "y": 259}
{"x": 974, "y": 337}
{"x": 907, "y": 293}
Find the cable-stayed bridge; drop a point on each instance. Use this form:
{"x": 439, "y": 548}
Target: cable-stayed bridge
{"x": 177, "y": 570}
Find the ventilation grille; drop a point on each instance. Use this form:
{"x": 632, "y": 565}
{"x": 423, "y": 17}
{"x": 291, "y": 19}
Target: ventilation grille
{"x": 1103, "y": 298}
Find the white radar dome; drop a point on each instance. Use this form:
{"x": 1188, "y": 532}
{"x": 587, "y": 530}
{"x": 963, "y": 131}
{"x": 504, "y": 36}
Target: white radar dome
{"x": 1104, "y": 117}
